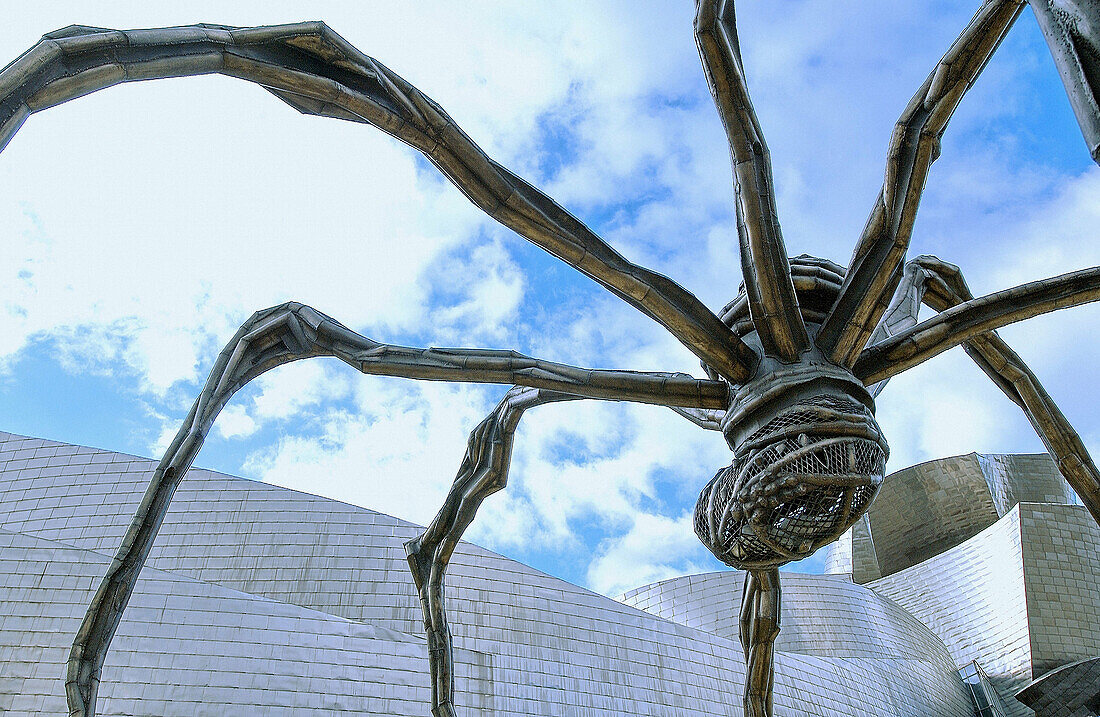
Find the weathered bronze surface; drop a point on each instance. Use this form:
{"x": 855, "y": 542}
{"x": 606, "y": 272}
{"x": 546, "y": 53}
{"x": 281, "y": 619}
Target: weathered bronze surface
{"x": 1072, "y": 31}
{"x": 793, "y": 362}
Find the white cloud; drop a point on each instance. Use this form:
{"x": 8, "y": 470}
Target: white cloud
{"x": 584, "y": 461}
{"x": 946, "y": 407}
{"x": 656, "y": 547}
{"x": 234, "y": 422}
{"x": 146, "y": 222}
{"x": 297, "y": 386}
{"x": 202, "y": 249}
{"x": 490, "y": 289}
{"x": 397, "y": 451}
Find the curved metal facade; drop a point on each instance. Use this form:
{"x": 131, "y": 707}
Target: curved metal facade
{"x": 823, "y": 616}
{"x": 259, "y": 599}
{"x": 926, "y": 509}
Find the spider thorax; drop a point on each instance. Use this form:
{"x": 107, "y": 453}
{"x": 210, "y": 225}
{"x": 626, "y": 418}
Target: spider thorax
{"x": 809, "y": 458}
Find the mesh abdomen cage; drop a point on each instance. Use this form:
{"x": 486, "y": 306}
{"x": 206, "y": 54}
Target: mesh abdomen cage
{"x": 809, "y": 456}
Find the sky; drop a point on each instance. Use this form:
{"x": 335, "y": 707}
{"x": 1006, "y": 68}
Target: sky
{"x": 143, "y": 224}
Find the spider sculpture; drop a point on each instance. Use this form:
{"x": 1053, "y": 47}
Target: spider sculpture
{"x": 793, "y": 362}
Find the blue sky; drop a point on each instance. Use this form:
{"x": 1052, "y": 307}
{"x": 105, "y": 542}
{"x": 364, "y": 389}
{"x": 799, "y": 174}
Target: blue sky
{"x": 144, "y": 223}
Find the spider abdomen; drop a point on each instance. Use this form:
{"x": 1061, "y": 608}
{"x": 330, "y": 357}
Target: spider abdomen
{"x": 794, "y": 485}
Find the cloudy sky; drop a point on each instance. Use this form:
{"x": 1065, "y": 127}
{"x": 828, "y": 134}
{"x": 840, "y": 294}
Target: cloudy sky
{"x": 141, "y": 225}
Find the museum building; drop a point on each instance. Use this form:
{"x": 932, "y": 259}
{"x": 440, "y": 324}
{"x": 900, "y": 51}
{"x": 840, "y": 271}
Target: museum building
{"x": 972, "y": 587}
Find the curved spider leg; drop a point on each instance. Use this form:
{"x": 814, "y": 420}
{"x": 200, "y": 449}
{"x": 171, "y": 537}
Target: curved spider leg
{"x": 941, "y": 286}
{"x": 1072, "y": 32}
{"x": 760, "y": 615}
{"x": 708, "y": 418}
{"x": 318, "y": 72}
{"x": 292, "y": 331}
{"x": 904, "y": 308}
{"x": 484, "y": 471}
{"x": 963, "y": 321}
{"x": 875, "y": 268}
{"x": 773, "y": 303}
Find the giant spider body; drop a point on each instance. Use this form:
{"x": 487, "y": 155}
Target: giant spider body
{"x": 793, "y": 362}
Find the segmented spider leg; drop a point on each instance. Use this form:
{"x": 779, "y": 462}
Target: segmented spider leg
{"x": 875, "y": 268}
{"x": 1007, "y": 369}
{"x": 963, "y": 321}
{"x": 316, "y": 71}
{"x": 773, "y": 303}
{"x": 268, "y": 339}
{"x": 918, "y": 277}
{"x": 941, "y": 286}
{"x": 760, "y": 614}
{"x": 708, "y": 418}
{"x": 1072, "y": 31}
{"x": 484, "y": 471}
{"x": 292, "y": 331}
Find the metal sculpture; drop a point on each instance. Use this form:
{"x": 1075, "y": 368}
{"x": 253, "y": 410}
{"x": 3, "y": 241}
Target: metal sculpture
{"x": 793, "y": 362}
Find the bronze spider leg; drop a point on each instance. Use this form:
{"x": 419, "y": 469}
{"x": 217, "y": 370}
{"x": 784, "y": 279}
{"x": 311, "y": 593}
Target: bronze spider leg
{"x": 289, "y": 332}
{"x": 1071, "y": 30}
{"x": 773, "y": 304}
{"x": 484, "y": 471}
{"x": 708, "y": 418}
{"x": 318, "y": 72}
{"x": 962, "y": 322}
{"x": 759, "y": 627}
{"x": 941, "y": 286}
{"x": 875, "y": 267}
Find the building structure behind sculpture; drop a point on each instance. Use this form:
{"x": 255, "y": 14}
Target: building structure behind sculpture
{"x": 969, "y": 573}
{"x": 991, "y": 553}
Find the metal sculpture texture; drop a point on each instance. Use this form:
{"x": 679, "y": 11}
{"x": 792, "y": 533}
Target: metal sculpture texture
{"x": 793, "y": 362}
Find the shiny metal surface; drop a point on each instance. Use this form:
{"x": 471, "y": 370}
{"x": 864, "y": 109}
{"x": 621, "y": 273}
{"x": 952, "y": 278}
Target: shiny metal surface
{"x": 777, "y": 350}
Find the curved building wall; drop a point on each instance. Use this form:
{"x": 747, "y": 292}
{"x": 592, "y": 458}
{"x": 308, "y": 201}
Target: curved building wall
{"x": 1024, "y": 478}
{"x": 926, "y": 509}
{"x": 187, "y": 648}
{"x": 1061, "y": 559}
{"x": 1022, "y": 597}
{"x": 528, "y": 644}
{"x": 972, "y": 597}
{"x": 1071, "y": 690}
{"x": 821, "y": 615}
{"x": 853, "y": 554}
